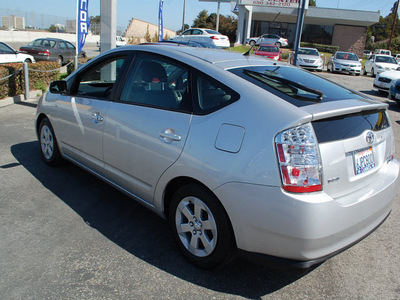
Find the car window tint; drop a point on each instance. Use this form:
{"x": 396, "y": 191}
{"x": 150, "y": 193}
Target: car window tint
{"x": 212, "y": 95}
{"x": 158, "y": 82}
{"x": 99, "y": 81}
{"x": 62, "y": 45}
{"x": 4, "y": 49}
{"x": 36, "y": 43}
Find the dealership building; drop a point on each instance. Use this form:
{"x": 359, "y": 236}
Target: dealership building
{"x": 339, "y": 27}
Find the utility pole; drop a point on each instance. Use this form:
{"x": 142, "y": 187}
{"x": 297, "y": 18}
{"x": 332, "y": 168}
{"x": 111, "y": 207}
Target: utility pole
{"x": 183, "y": 21}
{"x": 394, "y": 24}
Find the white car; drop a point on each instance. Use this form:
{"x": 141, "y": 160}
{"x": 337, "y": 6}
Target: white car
{"x": 344, "y": 62}
{"x": 379, "y": 63}
{"x": 204, "y": 35}
{"x": 9, "y": 55}
{"x": 119, "y": 42}
{"x": 383, "y": 80}
{"x": 309, "y": 58}
{"x": 270, "y": 39}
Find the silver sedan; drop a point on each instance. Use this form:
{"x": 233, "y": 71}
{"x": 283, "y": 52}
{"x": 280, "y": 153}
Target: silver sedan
{"x": 240, "y": 154}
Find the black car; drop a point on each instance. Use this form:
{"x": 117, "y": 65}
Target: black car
{"x": 51, "y": 49}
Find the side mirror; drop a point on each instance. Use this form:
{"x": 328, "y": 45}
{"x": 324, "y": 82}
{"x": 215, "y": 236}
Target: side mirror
{"x": 58, "y": 87}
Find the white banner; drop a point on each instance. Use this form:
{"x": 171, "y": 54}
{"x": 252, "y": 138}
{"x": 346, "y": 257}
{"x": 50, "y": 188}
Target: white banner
{"x": 273, "y": 3}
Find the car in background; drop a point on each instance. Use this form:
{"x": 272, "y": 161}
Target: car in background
{"x": 310, "y": 58}
{"x": 383, "y": 51}
{"x": 9, "y": 55}
{"x": 240, "y": 154}
{"x": 397, "y": 57}
{"x": 196, "y": 44}
{"x": 119, "y": 42}
{"x": 270, "y": 51}
{"x": 367, "y": 53}
{"x": 344, "y": 62}
{"x": 383, "y": 81}
{"x": 205, "y": 36}
{"x": 270, "y": 39}
{"x": 51, "y": 49}
{"x": 379, "y": 63}
{"x": 394, "y": 91}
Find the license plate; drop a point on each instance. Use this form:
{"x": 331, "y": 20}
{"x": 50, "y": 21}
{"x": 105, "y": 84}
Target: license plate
{"x": 348, "y": 69}
{"x": 363, "y": 161}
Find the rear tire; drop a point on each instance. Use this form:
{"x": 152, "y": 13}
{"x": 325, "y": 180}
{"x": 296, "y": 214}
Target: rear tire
{"x": 373, "y": 72}
{"x": 48, "y": 144}
{"x": 278, "y": 44}
{"x": 252, "y": 43}
{"x": 201, "y": 227}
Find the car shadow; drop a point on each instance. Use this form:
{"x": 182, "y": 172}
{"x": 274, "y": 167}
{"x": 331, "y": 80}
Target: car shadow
{"x": 141, "y": 232}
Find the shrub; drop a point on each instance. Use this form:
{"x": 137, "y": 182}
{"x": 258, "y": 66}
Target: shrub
{"x": 81, "y": 61}
{"x": 15, "y": 84}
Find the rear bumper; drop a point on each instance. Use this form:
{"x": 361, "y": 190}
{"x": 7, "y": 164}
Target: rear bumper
{"x": 307, "y": 228}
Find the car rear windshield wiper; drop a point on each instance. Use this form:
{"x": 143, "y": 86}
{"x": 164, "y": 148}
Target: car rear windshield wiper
{"x": 287, "y": 82}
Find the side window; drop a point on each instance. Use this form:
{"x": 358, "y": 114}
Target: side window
{"x": 99, "y": 81}
{"x": 70, "y": 46}
{"x": 158, "y": 82}
{"x": 212, "y": 95}
{"x": 61, "y": 45}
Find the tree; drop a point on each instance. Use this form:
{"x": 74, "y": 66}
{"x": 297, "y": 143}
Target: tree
{"x": 201, "y": 20}
{"x": 186, "y": 26}
{"x": 312, "y": 3}
{"x": 95, "y": 24}
{"x": 147, "y": 36}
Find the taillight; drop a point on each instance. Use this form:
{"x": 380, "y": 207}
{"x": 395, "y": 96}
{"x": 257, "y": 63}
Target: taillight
{"x": 299, "y": 159}
{"x": 214, "y": 37}
{"x": 46, "y": 52}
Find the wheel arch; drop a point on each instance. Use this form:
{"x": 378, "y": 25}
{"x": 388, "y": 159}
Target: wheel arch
{"x": 173, "y": 186}
{"x": 39, "y": 120}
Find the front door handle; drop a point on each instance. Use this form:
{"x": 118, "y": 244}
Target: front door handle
{"x": 97, "y": 117}
{"x": 170, "y": 136}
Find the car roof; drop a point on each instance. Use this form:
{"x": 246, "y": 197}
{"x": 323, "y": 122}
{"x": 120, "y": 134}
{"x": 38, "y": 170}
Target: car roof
{"x": 221, "y": 58}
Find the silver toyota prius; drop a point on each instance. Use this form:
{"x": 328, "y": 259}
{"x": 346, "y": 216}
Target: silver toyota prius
{"x": 242, "y": 155}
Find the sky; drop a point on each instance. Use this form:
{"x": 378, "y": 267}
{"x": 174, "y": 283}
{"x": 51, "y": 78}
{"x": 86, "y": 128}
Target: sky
{"x": 147, "y": 10}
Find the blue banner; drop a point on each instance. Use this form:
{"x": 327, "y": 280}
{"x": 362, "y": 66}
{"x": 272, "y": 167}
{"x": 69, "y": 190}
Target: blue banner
{"x": 160, "y": 21}
{"x": 83, "y": 23}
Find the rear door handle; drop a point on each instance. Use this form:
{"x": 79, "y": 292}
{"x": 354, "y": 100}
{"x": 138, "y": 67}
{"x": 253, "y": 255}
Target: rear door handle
{"x": 170, "y": 136}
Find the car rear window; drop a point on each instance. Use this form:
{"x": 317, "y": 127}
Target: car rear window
{"x": 277, "y": 79}
{"x": 349, "y": 126}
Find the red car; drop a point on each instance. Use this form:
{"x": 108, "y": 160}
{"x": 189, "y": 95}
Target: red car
{"x": 270, "y": 51}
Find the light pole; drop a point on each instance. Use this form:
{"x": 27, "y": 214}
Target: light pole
{"x": 183, "y": 21}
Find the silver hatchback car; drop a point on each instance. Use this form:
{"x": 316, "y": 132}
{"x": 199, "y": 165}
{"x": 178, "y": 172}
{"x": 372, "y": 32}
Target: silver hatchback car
{"x": 240, "y": 154}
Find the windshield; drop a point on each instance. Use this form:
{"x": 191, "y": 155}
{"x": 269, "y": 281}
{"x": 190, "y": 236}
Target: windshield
{"x": 268, "y": 48}
{"x": 386, "y": 59}
{"x": 347, "y": 56}
{"x": 313, "y": 52}
{"x": 295, "y": 85}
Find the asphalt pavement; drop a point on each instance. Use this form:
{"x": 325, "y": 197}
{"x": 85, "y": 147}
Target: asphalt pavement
{"x": 67, "y": 235}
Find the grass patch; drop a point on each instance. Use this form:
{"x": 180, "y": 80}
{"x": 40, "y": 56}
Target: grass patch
{"x": 63, "y": 76}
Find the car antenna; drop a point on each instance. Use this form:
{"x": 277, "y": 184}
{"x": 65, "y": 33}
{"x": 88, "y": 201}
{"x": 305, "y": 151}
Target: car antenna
{"x": 248, "y": 51}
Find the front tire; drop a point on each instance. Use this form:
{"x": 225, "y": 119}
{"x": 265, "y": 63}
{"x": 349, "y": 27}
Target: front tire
{"x": 252, "y": 43}
{"x": 373, "y": 72}
{"x": 201, "y": 227}
{"x": 278, "y": 44}
{"x": 60, "y": 61}
{"x": 48, "y": 144}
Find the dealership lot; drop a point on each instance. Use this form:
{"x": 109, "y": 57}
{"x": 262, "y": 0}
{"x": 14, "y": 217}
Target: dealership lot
{"x": 67, "y": 235}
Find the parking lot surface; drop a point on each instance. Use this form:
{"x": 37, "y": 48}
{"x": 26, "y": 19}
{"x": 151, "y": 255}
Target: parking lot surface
{"x": 67, "y": 235}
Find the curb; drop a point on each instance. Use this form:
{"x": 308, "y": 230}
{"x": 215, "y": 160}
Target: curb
{"x": 33, "y": 95}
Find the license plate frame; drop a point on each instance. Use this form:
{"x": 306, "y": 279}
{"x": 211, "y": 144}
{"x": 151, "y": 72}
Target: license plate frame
{"x": 363, "y": 160}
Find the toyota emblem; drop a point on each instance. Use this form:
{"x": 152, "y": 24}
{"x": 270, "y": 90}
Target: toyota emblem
{"x": 370, "y": 138}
